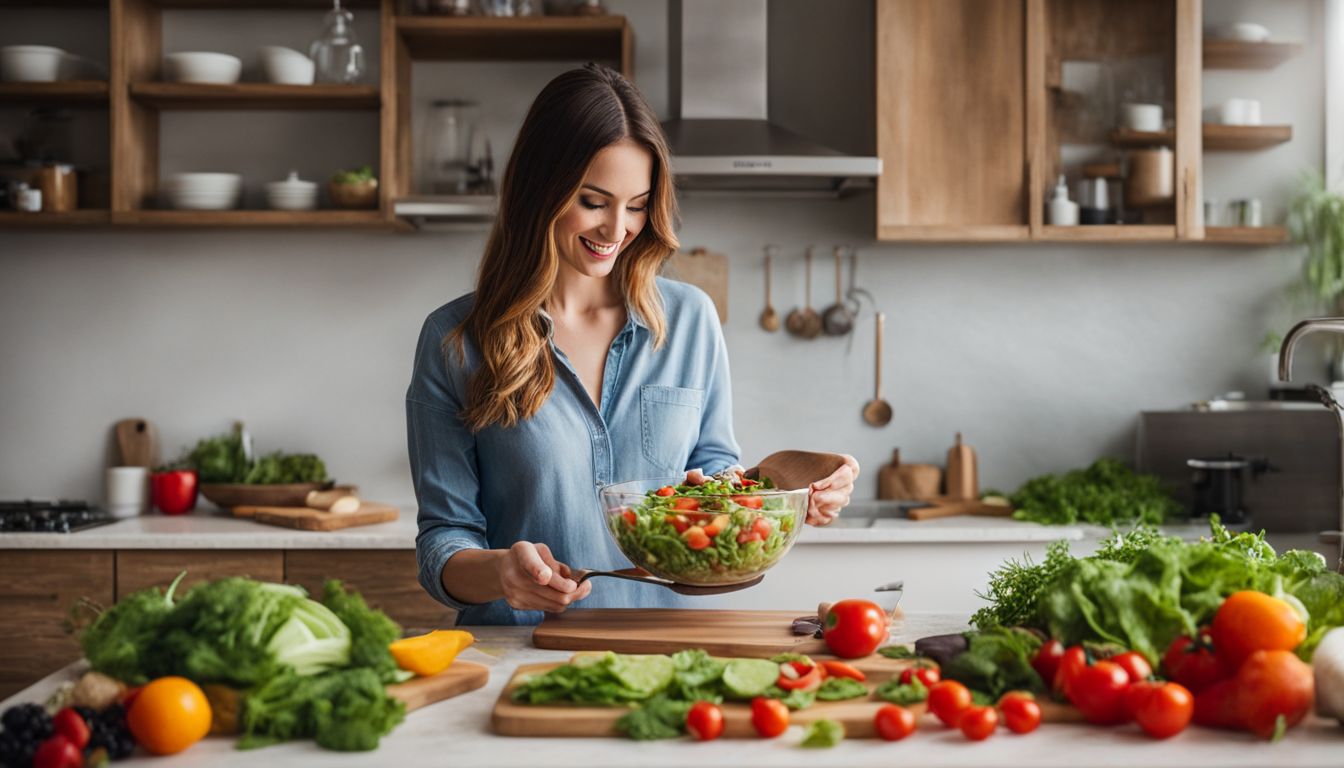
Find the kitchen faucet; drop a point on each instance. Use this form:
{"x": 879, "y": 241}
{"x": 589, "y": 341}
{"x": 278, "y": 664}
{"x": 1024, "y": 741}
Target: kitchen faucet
{"x": 1331, "y": 325}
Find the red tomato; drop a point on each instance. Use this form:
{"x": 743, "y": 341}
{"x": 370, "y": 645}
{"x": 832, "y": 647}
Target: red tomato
{"x": 750, "y": 502}
{"x": 679, "y": 522}
{"x": 71, "y": 725}
{"x": 685, "y": 504}
{"x": 1021, "y": 713}
{"x": 947, "y": 700}
{"x": 57, "y": 752}
{"x": 1191, "y": 662}
{"x": 855, "y": 628}
{"x": 704, "y": 721}
{"x": 978, "y": 723}
{"x": 696, "y": 538}
{"x": 894, "y": 722}
{"x": 1270, "y": 685}
{"x": 716, "y": 526}
{"x": 841, "y": 669}
{"x": 761, "y": 527}
{"x": 1165, "y": 710}
{"x": 1134, "y": 664}
{"x": 1046, "y": 661}
{"x": 929, "y": 676}
{"x": 770, "y": 717}
{"x": 666, "y": 491}
{"x": 1098, "y": 692}
{"x": 1248, "y": 621}
{"x": 794, "y": 676}
{"x": 1073, "y": 662}
{"x": 174, "y": 492}
{"x": 1216, "y": 706}
{"x": 629, "y": 517}
{"x": 1136, "y": 694}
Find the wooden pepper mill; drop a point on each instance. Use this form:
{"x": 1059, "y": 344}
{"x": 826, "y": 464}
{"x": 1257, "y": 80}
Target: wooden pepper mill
{"x": 962, "y": 481}
{"x": 908, "y": 481}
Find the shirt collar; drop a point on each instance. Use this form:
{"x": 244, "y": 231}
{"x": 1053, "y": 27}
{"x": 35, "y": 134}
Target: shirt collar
{"x": 632, "y": 320}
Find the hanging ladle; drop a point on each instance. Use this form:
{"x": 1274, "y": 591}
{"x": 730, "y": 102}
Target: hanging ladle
{"x": 788, "y": 470}
{"x": 804, "y": 322}
{"x": 838, "y": 320}
{"x": 769, "y": 318}
{"x": 877, "y": 412}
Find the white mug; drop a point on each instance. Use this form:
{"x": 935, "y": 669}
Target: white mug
{"x": 127, "y": 491}
{"x": 1141, "y": 117}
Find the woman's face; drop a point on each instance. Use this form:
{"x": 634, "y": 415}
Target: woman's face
{"x": 609, "y": 211}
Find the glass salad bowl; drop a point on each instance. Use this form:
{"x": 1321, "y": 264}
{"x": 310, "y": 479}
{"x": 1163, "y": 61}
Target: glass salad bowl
{"x": 711, "y": 534}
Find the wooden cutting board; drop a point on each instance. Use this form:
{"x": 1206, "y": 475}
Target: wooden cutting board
{"x": 137, "y": 443}
{"x": 707, "y": 271}
{"x": 511, "y": 719}
{"x": 759, "y": 634}
{"x": 461, "y": 677}
{"x": 308, "y": 519}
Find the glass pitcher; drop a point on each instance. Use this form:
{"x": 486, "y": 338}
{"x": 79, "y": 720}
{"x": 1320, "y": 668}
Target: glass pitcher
{"x": 449, "y": 139}
{"x": 336, "y": 52}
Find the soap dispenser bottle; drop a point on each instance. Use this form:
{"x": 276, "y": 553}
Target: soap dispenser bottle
{"x": 1063, "y": 212}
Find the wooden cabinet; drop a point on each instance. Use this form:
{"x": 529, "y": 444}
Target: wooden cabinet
{"x": 141, "y": 568}
{"x": 40, "y": 589}
{"x": 387, "y": 578}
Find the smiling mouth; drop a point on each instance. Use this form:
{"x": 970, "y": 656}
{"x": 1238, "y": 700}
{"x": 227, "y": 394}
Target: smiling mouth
{"x": 599, "y": 249}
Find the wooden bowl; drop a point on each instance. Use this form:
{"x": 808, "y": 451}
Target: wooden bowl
{"x": 359, "y": 195}
{"x": 230, "y": 495}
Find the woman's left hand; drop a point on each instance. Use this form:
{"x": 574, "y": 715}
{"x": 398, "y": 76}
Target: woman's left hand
{"x": 831, "y": 494}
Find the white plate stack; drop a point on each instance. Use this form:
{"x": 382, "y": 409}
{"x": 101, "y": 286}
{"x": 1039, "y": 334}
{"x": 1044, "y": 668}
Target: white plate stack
{"x": 203, "y": 191}
{"x": 292, "y": 194}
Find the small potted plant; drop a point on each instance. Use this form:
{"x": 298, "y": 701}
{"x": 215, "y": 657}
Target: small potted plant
{"x": 354, "y": 189}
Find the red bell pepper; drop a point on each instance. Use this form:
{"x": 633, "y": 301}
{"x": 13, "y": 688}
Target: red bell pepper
{"x": 174, "y": 491}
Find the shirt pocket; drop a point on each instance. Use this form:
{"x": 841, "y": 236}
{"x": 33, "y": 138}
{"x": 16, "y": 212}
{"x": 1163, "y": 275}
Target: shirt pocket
{"x": 670, "y": 424}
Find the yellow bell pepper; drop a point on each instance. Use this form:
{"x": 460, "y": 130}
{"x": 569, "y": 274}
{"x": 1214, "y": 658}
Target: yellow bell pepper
{"x": 432, "y": 653}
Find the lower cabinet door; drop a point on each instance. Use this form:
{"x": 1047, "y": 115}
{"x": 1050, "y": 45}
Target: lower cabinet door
{"x": 40, "y": 588}
{"x": 387, "y": 578}
{"x": 141, "y": 568}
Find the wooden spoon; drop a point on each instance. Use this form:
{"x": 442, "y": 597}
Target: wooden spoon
{"x": 877, "y": 412}
{"x": 769, "y": 318}
{"x": 644, "y": 577}
{"x": 792, "y": 470}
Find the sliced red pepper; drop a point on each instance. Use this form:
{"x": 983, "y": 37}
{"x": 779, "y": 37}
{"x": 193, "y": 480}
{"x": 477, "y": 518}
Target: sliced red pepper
{"x": 716, "y": 526}
{"x": 801, "y": 681}
{"x": 629, "y": 517}
{"x": 841, "y": 669}
{"x": 678, "y": 522}
{"x": 666, "y": 491}
{"x": 696, "y": 538}
{"x": 750, "y": 502}
{"x": 747, "y": 535}
{"x": 685, "y": 504}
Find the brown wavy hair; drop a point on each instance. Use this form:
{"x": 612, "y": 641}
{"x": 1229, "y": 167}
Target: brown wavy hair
{"x": 574, "y": 117}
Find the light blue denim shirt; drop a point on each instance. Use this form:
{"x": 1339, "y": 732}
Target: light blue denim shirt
{"x": 662, "y": 412}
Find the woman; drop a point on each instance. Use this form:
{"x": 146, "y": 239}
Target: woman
{"x": 570, "y": 367}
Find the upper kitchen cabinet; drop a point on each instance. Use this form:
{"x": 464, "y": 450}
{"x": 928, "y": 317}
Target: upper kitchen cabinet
{"x": 983, "y": 107}
{"x": 952, "y": 120}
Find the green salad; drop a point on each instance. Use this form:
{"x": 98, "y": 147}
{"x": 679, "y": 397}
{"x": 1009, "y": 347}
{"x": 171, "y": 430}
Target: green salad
{"x": 715, "y": 533}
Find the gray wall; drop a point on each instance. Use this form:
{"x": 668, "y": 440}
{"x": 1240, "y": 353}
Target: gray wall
{"x": 1042, "y": 355}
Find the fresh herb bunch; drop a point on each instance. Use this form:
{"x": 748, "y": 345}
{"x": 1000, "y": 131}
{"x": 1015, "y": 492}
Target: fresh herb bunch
{"x": 1106, "y": 493}
{"x": 358, "y": 176}
{"x": 223, "y": 459}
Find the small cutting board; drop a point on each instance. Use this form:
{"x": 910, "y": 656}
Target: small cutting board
{"x": 308, "y": 519}
{"x": 758, "y": 634}
{"x": 707, "y": 271}
{"x": 461, "y": 677}
{"x": 512, "y": 719}
{"x": 137, "y": 443}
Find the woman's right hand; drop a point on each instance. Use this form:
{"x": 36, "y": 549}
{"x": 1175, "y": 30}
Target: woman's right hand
{"x": 533, "y": 580}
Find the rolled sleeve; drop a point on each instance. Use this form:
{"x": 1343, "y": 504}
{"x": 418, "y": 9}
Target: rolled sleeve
{"x": 444, "y": 469}
{"x": 716, "y": 449}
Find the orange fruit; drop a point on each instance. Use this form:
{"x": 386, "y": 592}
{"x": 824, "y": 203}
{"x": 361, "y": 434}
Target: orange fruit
{"x": 1251, "y": 621}
{"x": 432, "y": 653}
{"x": 169, "y": 715}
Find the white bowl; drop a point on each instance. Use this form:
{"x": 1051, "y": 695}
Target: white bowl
{"x": 202, "y": 67}
{"x": 203, "y": 191}
{"x": 287, "y": 66}
{"x": 31, "y": 63}
{"x": 1251, "y": 33}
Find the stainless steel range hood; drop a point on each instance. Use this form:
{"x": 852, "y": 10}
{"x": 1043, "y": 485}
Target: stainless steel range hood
{"x": 722, "y": 138}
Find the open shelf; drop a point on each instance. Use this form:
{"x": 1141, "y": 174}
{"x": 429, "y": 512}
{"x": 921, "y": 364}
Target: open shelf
{"x": 1111, "y": 233}
{"x": 1243, "y": 54}
{"x": 256, "y": 96}
{"x": 528, "y": 38}
{"x": 1217, "y": 137}
{"x": 1241, "y": 138}
{"x": 1247, "y": 235}
{"x": 325, "y": 218}
{"x": 302, "y": 5}
{"x": 64, "y": 93}
{"x": 76, "y": 218}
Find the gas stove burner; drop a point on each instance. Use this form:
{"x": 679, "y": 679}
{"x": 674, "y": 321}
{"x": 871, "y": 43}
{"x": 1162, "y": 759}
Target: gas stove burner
{"x": 30, "y": 516}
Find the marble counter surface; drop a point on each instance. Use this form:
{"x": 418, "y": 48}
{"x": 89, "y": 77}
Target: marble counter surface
{"x": 457, "y": 732}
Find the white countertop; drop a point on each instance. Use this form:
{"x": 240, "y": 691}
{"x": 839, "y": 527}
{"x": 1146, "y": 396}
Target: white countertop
{"x": 457, "y": 732}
